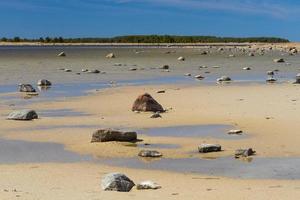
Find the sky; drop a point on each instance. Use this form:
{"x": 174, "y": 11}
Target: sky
{"x": 107, "y": 18}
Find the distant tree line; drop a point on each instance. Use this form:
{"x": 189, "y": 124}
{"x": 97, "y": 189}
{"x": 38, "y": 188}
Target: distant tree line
{"x": 150, "y": 39}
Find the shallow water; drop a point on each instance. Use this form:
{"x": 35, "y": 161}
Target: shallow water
{"x": 16, "y": 151}
{"x": 258, "y": 168}
{"x": 211, "y": 131}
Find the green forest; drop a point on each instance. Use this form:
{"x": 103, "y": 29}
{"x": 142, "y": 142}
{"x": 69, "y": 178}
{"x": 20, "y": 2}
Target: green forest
{"x": 151, "y": 39}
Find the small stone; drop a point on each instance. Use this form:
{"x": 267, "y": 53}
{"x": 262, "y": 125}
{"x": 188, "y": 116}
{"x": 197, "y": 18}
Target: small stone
{"x": 279, "y": 60}
{"x": 146, "y": 185}
{"x": 110, "y": 55}
{"x": 61, "y": 54}
{"x": 247, "y": 68}
{"x": 199, "y": 77}
{"x": 132, "y": 69}
{"x": 224, "y": 79}
{"x": 165, "y": 67}
{"x": 108, "y": 135}
{"x": 206, "y": 148}
{"x": 161, "y": 91}
{"x": 146, "y": 103}
{"x": 235, "y": 132}
{"x": 188, "y": 74}
{"x": 181, "y": 58}
{"x": 44, "y": 82}
{"x": 150, "y": 153}
{"x": 271, "y": 80}
{"x": 155, "y": 115}
{"x": 270, "y": 73}
{"x": 26, "y": 88}
{"x": 84, "y": 70}
{"x": 244, "y": 152}
{"x": 95, "y": 71}
{"x": 68, "y": 70}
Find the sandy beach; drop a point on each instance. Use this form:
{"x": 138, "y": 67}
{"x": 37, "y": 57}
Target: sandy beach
{"x": 266, "y": 113}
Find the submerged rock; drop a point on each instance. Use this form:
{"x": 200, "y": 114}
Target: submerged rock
{"x": 147, "y": 185}
{"x": 110, "y": 55}
{"x": 150, "y": 153}
{"x": 22, "y": 115}
{"x": 26, "y": 88}
{"x": 44, "y": 82}
{"x": 108, "y": 135}
{"x": 146, "y": 103}
{"x": 206, "y": 148}
{"x": 244, "y": 152}
{"x": 117, "y": 182}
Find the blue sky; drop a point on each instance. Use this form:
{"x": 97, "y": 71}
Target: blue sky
{"x": 102, "y": 18}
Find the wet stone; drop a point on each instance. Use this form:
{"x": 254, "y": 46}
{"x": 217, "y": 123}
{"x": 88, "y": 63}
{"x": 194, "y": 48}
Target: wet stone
{"x": 207, "y": 148}
{"x": 150, "y": 153}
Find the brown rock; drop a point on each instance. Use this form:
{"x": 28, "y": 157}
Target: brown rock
{"x": 146, "y": 103}
{"x": 107, "y": 135}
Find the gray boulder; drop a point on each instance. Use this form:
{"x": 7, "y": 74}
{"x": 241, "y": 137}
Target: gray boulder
{"x": 44, "y": 82}
{"x": 107, "y": 135}
{"x": 146, "y": 103}
{"x": 117, "y": 182}
{"x": 147, "y": 185}
{"x": 150, "y": 153}
{"x": 22, "y": 115}
{"x": 244, "y": 152}
{"x": 206, "y": 148}
{"x": 26, "y": 88}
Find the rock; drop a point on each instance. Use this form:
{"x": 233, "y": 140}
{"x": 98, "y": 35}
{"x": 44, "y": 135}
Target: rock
{"x": 202, "y": 67}
{"x": 61, "y": 54}
{"x": 132, "y": 69}
{"x": 188, "y": 74}
{"x": 108, "y": 135}
{"x": 221, "y": 49}
{"x": 146, "y": 103}
{"x": 181, "y": 58}
{"x": 270, "y": 73}
{"x": 216, "y": 67}
{"x": 117, "y": 182}
{"x": 224, "y": 79}
{"x": 244, "y": 153}
{"x": 110, "y": 55}
{"x": 84, "y": 70}
{"x": 44, "y": 82}
{"x": 297, "y": 79}
{"x": 231, "y": 56}
{"x": 161, "y": 91}
{"x": 206, "y": 148}
{"x": 279, "y": 60}
{"x": 165, "y": 67}
{"x": 204, "y": 53}
{"x": 156, "y": 115}
{"x": 199, "y": 77}
{"x": 235, "y": 132}
{"x": 150, "y": 153}
{"x": 247, "y": 68}
{"x": 94, "y": 71}
{"x": 68, "y": 70}
{"x": 22, "y": 115}
{"x": 147, "y": 185}
{"x": 26, "y": 88}
{"x": 271, "y": 80}
{"x": 251, "y": 54}
{"x": 118, "y": 64}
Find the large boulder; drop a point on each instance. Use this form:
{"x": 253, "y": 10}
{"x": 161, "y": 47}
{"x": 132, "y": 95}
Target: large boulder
{"x": 44, "y": 82}
{"x": 107, "y": 135}
{"x": 206, "y": 148}
{"x": 146, "y": 103}
{"x": 26, "y": 88}
{"x": 23, "y": 115}
{"x": 150, "y": 153}
{"x": 117, "y": 182}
